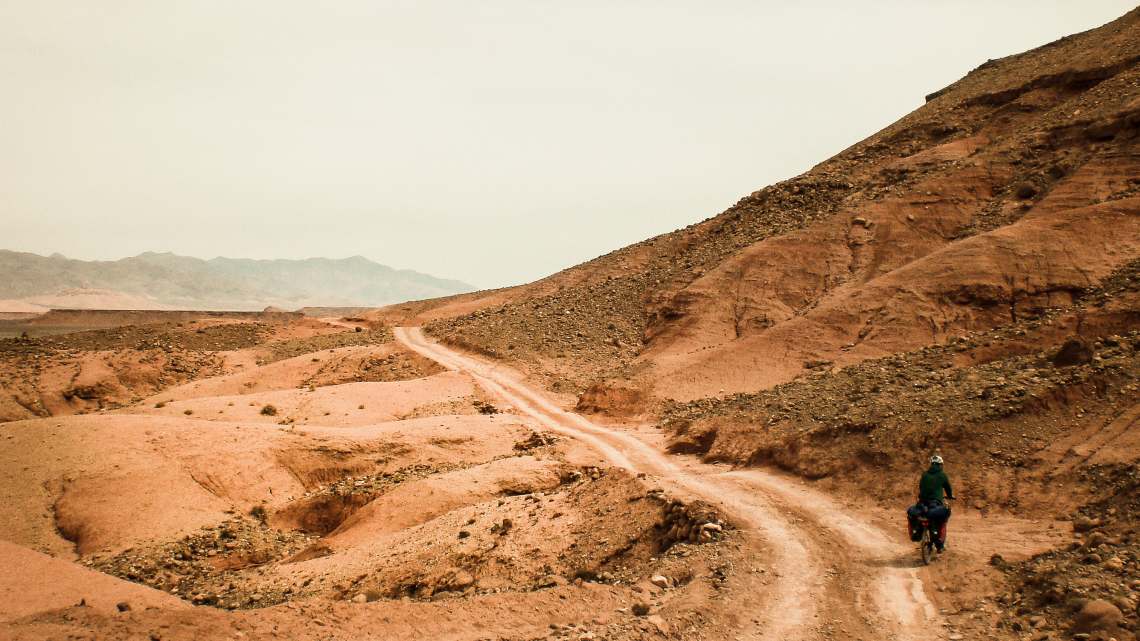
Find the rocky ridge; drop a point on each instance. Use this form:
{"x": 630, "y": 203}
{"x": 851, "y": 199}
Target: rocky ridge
{"x": 1003, "y": 395}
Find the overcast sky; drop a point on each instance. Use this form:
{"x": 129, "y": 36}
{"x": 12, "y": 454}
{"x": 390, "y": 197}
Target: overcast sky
{"x": 494, "y": 142}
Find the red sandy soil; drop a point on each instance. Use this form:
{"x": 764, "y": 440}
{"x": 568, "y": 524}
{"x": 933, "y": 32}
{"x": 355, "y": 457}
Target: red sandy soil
{"x": 531, "y": 522}
{"x": 26, "y": 589}
{"x": 227, "y": 518}
{"x": 111, "y": 359}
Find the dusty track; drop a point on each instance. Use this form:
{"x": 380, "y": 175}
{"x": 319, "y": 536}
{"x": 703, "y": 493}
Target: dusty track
{"x": 834, "y": 573}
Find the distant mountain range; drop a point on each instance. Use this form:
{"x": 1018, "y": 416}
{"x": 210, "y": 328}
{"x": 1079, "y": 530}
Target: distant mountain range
{"x": 168, "y": 281}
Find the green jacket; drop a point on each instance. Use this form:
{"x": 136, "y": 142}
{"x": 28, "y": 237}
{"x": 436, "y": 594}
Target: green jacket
{"x": 932, "y": 483}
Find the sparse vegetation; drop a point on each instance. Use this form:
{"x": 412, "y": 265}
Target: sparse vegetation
{"x": 484, "y": 407}
{"x": 281, "y": 350}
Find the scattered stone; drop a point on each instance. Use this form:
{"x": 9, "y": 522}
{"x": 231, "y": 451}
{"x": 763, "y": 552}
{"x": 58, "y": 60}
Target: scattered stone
{"x": 551, "y": 581}
{"x": 534, "y": 441}
{"x": 1095, "y": 540}
{"x": 659, "y": 622}
{"x": 200, "y": 566}
{"x": 502, "y": 528}
{"x": 1125, "y": 604}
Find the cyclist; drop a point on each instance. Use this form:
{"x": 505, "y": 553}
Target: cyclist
{"x": 932, "y": 488}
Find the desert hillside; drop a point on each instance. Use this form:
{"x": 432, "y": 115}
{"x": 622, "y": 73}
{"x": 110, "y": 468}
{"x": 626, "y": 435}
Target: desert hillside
{"x": 943, "y": 262}
{"x": 1010, "y": 192}
{"x": 167, "y": 281}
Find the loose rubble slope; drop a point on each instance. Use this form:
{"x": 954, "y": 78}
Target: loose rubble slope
{"x": 1014, "y": 187}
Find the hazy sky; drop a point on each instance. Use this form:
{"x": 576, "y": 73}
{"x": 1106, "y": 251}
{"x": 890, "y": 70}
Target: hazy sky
{"x": 494, "y": 142}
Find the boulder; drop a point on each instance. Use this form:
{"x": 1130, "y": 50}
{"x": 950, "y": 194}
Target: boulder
{"x": 1097, "y": 615}
{"x": 1084, "y": 524}
{"x": 1075, "y": 351}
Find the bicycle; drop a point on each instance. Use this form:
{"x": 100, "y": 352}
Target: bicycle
{"x": 926, "y": 544}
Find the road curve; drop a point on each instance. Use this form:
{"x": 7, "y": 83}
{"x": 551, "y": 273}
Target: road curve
{"x": 833, "y": 572}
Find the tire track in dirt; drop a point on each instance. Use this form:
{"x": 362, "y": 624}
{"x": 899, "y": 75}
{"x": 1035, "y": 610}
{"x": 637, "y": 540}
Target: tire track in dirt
{"x": 897, "y": 591}
{"x": 834, "y": 573}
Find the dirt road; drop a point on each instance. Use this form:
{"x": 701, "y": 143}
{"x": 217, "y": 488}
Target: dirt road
{"x": 835, "y": 574}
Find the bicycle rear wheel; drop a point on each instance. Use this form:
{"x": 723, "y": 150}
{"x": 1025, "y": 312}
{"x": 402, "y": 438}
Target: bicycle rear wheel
{"x": 927, "y": 547}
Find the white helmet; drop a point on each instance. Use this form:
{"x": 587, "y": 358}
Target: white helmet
{"x": 936, "y": 459}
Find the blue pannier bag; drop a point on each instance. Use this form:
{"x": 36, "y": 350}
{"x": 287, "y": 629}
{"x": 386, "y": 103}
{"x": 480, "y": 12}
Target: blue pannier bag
{"x": 913, "y": 514}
